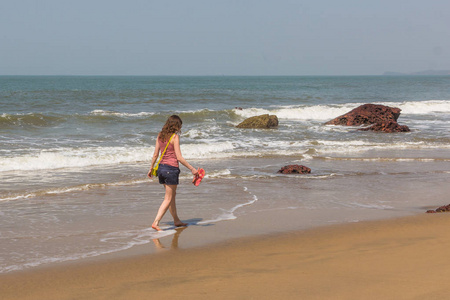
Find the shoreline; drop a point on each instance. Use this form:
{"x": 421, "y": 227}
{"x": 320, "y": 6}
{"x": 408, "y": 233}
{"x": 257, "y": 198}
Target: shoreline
{"x": 100, "y": 225}
{"x": 383, "y": 259}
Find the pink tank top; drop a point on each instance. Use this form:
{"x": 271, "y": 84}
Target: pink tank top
{"x": 169, "y": 158}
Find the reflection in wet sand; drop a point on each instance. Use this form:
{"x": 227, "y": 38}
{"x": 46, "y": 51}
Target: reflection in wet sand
{"x": 174, "y": 244}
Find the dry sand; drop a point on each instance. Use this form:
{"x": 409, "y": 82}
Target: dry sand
{"x": 404, "y": 258}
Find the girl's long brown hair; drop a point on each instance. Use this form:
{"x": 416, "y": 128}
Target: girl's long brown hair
{"x": 173, "y": 125}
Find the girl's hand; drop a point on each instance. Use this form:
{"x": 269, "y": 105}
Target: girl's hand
{"x": 149, "y": 174}
{"x": 194, "y": 172}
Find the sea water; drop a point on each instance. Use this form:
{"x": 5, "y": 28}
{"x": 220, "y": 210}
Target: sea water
{"x": 75, "y": 151}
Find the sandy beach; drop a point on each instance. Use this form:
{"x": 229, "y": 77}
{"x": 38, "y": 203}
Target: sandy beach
{"x": 403, "y": 258}
{"x": 76, "y": 207}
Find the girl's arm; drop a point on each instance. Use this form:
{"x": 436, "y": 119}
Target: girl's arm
{"x": 155, "y": 157}
{"x": 180, "y": 158}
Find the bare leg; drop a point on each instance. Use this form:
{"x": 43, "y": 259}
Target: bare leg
{"x": 173, "y": 211}
{"x": 170, "y": 194}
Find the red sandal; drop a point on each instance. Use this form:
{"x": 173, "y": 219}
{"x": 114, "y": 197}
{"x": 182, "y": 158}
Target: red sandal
{"x": 198, "y": 178}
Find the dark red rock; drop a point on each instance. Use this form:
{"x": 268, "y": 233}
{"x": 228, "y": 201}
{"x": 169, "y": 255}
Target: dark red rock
{"x": 387, "y": 127}
{"x": 444, "y": 208}
{"x": 367, "y": 114}
{"x": 294, "y": 169}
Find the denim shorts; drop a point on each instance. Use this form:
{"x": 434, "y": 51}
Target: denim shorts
{"x": 168, "y": 174}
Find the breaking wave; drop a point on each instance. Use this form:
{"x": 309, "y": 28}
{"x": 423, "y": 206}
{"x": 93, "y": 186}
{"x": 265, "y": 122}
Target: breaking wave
{"x": 331, "y": 111}
{"x": 299, "y": 112}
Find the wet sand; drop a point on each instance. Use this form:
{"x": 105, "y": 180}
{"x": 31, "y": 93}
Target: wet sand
{"x": 403, "y": 258}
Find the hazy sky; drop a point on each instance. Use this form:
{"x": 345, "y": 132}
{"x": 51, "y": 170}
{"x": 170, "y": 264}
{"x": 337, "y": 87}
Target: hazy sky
{"x": 213, "y": 37}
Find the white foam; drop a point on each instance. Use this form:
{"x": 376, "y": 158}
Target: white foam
{"x": 196, "y": 111}
{"x": 53, "y": 159}
{"x": 114, "y": 242}
{"x": 345, "y": 143}
{"x": 424, "y": 107}
{"x": 99, "y": 112}
{"x": 251, "y": 112}
{"x": 138, "y": 236}
{"x": 220, "y": 173}
{"x": 314, "y": 112}
{"x": 195, "y": 133}
{"x": 70, "y": 189}
{"x": 371, "y": 206}
{"x": 363, "y": 146}
{"x": 74, "y": 157}
{"x": 205, "y": 150}
{"x": 63, "y": 158}
{"x": 331, "y": 111}
{"x": 392, "y": 159}
{"x": 229, "y": 214}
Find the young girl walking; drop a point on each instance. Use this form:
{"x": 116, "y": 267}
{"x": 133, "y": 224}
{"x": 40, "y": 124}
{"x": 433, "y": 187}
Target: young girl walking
{"x": 168, "y": 170}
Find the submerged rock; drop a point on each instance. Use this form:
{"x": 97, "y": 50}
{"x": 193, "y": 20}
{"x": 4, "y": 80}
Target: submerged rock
{"x": 294, "y": 169}
{"x": 367, "y": 114}
{"x": 444, "y": 208}
{"x": 262, "y": 121}
{"x": 387, "y": 127}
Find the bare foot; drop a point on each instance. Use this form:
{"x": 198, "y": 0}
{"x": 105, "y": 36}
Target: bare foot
{"x": 180, "y": 224}
{"x": 156, "y": 227}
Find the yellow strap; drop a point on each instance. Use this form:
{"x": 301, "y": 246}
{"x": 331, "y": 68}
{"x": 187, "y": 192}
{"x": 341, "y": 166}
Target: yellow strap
{"x": 165, "y": 149}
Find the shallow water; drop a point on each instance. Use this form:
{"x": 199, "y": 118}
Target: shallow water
{"x": 75, "y": 152}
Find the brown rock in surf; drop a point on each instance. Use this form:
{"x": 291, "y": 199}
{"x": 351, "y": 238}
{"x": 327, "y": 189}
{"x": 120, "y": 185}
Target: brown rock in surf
{"x": 294, "y": 169}
{"x": 382, "y": 118}
{"x": 263, "y": 121}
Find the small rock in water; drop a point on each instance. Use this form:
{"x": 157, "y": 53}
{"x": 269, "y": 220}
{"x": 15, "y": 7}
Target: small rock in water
{"x": 444, "y": 208}
{"x": 294, "y": 169}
